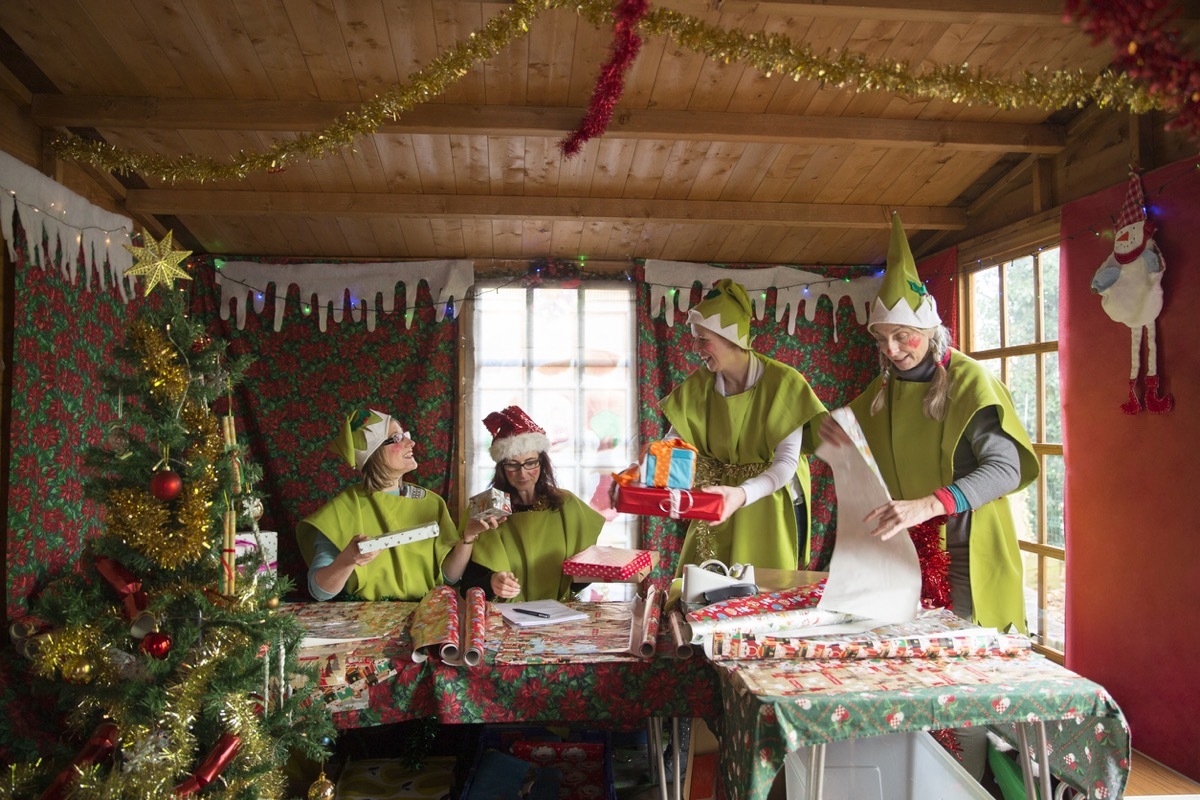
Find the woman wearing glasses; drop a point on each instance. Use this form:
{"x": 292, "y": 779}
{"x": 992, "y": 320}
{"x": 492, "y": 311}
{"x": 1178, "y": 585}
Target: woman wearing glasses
{"x": 374, "y": 443}
{"x": 523, "y": 559}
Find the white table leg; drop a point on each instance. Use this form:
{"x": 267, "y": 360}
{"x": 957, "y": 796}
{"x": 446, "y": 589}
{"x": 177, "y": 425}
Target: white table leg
{"x": 1043, "y": 748}
{"x": 676, "y": 756}
{"x": 1026, "y": 760}
{"x": 816, "y": 772}
{"x": 660, "y": 767}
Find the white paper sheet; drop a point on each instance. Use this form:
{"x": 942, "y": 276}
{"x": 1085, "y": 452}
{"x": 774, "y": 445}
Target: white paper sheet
{"x": 868, "y": 577}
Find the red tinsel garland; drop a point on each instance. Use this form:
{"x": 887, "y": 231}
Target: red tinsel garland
{"x": 934, "y": 561}
{"x": 611, "y": 82}
{"x": 1147, "y": 50}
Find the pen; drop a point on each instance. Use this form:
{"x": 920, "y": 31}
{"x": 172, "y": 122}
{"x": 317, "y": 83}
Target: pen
{"x": 532, "y": 613}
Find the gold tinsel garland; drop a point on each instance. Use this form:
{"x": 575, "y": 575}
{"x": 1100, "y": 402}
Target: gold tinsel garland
{"x": 769, "y": 53}
{"x": 169, "y": 377}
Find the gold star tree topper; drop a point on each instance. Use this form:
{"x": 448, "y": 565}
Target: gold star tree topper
{"x": 158, "y": 262}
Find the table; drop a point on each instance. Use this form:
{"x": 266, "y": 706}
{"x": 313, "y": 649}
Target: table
{"x": 773, "y": 707}
{"x": 620, "y": 691}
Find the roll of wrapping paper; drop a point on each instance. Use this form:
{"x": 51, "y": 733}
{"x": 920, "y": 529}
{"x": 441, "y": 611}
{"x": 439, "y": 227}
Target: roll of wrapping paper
{"x": 681, "y": 640}
{"x": 229, "y": 554}
{"x": 436, "y": 625}
{"x": 229, "y": 434}
{"x": 645, "y": 629}
{"x": 474, "y": 626}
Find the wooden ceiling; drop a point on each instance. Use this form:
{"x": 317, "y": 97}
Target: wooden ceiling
{"x": 704, "y": 160}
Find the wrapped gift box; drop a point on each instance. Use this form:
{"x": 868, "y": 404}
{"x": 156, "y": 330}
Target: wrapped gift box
{"x": 602, "y": 563}
{"x": 391, "y": 779}
{"x": 490, "y": 503}
{"x": 674, "y": 503}
{"x": 670, "y": 464}
{"x": 245, "y": 543}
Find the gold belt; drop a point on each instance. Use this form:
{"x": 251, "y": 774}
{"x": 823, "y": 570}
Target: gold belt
{"x": 711, "y": 472}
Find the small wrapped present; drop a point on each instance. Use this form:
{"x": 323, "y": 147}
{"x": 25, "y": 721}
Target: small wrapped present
{"x": 670, "y": 464}
{"x": 602, "y": 563}
{"x": 246, "y": 542}
{"x": 490, "y": 503}
{"x": 673, "y": 503}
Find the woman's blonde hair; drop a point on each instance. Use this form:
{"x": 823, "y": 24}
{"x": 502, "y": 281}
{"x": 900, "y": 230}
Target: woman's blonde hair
{"x": 377, "y": 475}
{"x": 939, "y": 388}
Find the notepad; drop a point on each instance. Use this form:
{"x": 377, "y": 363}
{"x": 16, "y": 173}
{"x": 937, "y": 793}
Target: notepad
{"x": 532, "y": 613}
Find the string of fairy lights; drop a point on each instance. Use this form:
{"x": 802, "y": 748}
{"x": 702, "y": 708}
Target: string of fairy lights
{"x": 548, "y": 270}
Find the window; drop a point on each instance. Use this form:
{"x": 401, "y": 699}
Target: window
{"x": 566, "y": 356}
{"x": 1011, "y": 326}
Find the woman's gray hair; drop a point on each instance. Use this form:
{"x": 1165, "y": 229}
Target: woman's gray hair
{"x": 939, "y": 387}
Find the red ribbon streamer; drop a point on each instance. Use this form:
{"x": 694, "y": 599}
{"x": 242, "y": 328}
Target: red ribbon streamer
{"x": 99, "y": 747}
{"x": 934, "y": 561}
{"x": 127, "y": 585}
{"x": 212, "y": 766}
{"x": 611, "y": 83}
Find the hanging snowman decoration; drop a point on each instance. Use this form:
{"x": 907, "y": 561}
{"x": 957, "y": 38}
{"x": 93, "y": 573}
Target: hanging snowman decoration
{"x": 1129, "y": 283}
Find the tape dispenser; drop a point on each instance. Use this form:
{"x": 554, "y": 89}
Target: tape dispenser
{"x": 713, "y": 581}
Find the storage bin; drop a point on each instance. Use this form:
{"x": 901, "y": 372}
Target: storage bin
{"x": 901, "y": 766}
{"x": 581, "y": 762}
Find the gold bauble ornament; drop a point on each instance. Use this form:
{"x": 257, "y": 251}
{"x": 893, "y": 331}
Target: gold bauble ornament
{"x": 77, "y": 669}
{"x": 322, "y": 788}
{"x": 272, "y": 603}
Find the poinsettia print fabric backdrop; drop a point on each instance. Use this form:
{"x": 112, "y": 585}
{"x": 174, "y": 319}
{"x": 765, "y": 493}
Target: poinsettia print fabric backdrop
{"x": 304, "y": 382}
{"x": 63, "y": 335}
{"x": 837, "y": 371}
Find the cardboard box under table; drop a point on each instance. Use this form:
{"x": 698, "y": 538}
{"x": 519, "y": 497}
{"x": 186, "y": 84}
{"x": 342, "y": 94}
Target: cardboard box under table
{"x": 541, "y": 765}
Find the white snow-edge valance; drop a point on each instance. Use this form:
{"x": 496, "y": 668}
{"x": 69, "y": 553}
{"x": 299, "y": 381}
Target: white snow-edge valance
{"x": 795, "y": 288}
{"x": 372, "y": 287}
{"x": 68, "y": 220}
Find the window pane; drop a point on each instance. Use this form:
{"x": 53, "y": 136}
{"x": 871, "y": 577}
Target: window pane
{"x": 1053, "y": 401}
{"x": 1022, "y": 382}
{"x": 575, "y": 378}
{"x": 1055, "y": 476}
{"x": 1047, "y": 620}
{"x": 1048, "y": 261}
{"x": 985, "y": 303}
{"x": 993, "y": 365}
{"x": 1020, "y": 305}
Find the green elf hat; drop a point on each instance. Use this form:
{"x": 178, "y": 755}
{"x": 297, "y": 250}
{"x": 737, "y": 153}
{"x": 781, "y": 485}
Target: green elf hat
{"x": 902, "y": 298}
{"x": 361, "y": 435}
{"x": 725, "y": 311}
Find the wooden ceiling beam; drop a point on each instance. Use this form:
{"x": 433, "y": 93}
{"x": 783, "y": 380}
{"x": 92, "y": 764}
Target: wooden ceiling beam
{"x": 215, "y": 202}
{"x": 51, "y": 111}
{"x": 1047, "y": 13}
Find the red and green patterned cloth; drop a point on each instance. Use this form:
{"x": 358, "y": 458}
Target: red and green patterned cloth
{"x": 775, "y": 707}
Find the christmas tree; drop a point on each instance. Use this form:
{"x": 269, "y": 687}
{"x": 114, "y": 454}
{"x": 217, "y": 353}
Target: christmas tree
{"x": 170, "y": 659}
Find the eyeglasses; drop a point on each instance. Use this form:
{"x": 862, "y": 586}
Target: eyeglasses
{"x": 396, "y": 438}
{"x": 514, "y": 466}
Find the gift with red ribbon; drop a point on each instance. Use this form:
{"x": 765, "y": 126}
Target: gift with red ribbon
{"x": 673, "y": 503}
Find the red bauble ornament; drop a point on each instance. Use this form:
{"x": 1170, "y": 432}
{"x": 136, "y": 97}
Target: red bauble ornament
{"x": 166, "y": 485}
{"x": 157, "y": 645}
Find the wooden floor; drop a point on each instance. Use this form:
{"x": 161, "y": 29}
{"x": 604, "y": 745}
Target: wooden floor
{"x": 1147, "y": 777}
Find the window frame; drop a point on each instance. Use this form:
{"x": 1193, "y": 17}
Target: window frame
{"x": 1041, "y": 550}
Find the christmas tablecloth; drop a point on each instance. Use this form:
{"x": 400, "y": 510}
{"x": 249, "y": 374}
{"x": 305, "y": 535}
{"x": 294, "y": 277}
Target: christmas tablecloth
{"x": 773, "y": 707}
{"x": 617, "y": 688}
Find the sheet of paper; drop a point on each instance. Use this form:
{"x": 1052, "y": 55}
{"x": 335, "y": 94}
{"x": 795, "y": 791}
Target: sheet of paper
{"x": 535, "y": 613}
{"x": 868, "y": 577}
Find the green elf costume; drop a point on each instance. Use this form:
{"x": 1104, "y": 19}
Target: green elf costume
{"x": 405, "y": 572}
{"x": 535, "y": 540}
{"x": 737, "y": 437}
{"x": 919, "y": 456}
